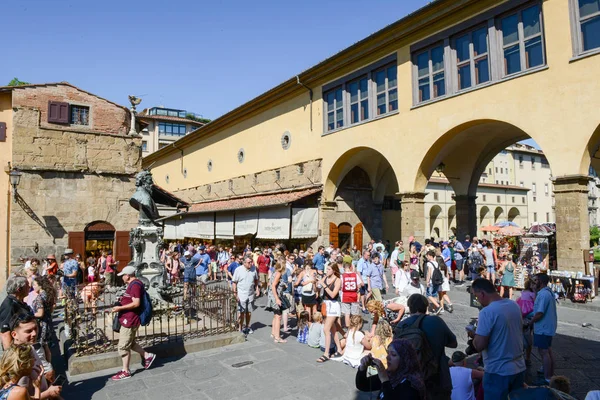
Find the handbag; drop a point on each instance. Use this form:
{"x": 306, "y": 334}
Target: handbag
{"x": 116, "y": 326}
{"x": 285, "y": 303}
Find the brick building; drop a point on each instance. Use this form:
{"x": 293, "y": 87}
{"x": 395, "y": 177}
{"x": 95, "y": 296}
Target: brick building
{"x": 78, "y": 165}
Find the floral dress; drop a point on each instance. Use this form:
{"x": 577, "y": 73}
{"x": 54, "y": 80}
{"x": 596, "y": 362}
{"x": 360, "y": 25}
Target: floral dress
{"x": 45, "y": 322}
{"x": 271, "y": 303}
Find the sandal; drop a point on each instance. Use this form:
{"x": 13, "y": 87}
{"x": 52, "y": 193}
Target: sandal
{"x": 337, "y": 355}
{"x": 280, "y": 340}
{"x": 322, "y": 359}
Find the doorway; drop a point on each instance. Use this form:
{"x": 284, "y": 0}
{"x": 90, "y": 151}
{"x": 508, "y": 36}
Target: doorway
{"x": 344, "y": 235}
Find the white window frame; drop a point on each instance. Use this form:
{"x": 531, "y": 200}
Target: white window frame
{"x": 576, "y": 33}
{"x": 336, "y": 108}
{"x": 446, "y": 68}
{"x": 360, "y": 99}
{"x": 473, "y": 59}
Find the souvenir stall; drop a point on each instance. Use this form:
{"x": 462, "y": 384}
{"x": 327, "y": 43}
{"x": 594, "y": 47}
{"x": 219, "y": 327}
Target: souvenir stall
{"x": 506, "y": 242}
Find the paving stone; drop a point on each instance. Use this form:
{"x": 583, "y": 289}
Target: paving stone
{"x": 173, "y": 391}
{"x": 161, "y": 380}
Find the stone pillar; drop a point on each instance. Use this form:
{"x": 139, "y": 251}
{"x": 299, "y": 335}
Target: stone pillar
{"x": 572, "y": 221}
{"x": 412, "y": 205}
{"x": 466, "y": 216}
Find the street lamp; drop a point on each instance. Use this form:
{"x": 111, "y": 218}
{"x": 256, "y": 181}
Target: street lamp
{"x": 440, "y": 168}
{"x": 15, "y": 177}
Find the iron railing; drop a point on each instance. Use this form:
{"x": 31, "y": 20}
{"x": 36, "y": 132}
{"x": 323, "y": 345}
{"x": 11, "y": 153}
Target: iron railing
{"x": 207, "y": 311}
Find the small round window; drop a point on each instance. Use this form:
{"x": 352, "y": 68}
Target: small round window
{"x": 286, "y": 140}
{"x": 240, "y": 155}
{"x": 209, "y": 165}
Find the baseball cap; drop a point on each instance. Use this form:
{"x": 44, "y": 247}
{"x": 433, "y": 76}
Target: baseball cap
{"x": 202, "y": 247}
{"x": 414, "y": 274}
{"x": 445, "y": 244}
{"x": 68, "y": 251}
{"x": 187, "y": 253}
{"x": 128, "y": 270}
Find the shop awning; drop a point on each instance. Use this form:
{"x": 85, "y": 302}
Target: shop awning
{"x": 224, "y": 226}
{"x": 172, "y": 226}
{"x": 253, "y": 201}
{"x": 246, "y": 222}
{"x": 274, "y": 223}
{"x": 305, "y": 223}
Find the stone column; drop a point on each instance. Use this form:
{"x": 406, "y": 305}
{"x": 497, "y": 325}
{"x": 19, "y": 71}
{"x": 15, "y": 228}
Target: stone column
{"x": 572, "y": 221}
{"x": 466, "y": 216}
{"x": 412, "y": 205}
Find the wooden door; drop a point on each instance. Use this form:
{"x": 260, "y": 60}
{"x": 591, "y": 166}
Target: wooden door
{"x": 358, "y": 235}
{"x": 77, "y": 243}
{"x": 122, "y": 251}
{"x": 333, "y": 235}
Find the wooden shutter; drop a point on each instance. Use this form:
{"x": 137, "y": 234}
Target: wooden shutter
{"x": 2, "y": 131}
{"x": 77, "y": 243}
{"x": 333, "y": 235}
{"x": 58, "y": 112}
{"x": 358, "y": 235}
{"x": 122, "y": 251}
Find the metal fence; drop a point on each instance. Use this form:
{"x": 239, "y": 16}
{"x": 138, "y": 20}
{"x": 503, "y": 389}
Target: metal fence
{"x": 206, "y": 311}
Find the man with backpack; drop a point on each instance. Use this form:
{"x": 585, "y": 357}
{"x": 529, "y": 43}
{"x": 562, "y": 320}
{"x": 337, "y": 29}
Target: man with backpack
{"x": 434, "y": 280}
{"x": 430, "y": 335}
{"x": 135, "y": 310}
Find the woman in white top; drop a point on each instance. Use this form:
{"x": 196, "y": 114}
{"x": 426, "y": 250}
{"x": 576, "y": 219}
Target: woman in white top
{"x": 355, "y": 344}
{"x": 402, "y": 279}
{"x": 462, "y": 377}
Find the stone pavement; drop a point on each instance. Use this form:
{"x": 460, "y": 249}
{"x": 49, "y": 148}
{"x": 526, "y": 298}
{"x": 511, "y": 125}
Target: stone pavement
{"x": 289, "y": 371}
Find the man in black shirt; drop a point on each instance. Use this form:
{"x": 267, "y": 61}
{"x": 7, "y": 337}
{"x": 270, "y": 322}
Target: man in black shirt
{"x": 17, "y": 288}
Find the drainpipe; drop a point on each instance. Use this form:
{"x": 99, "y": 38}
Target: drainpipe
{"x": 8, "y": 210}
{"x": 310, "y": 93}
{"x": 181, "y": 151}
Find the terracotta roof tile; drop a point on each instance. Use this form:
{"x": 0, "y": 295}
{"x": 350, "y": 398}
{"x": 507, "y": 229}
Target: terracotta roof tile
{"x": 259, "y": 200}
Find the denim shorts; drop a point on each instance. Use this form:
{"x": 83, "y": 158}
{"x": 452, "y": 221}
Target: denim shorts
{"x": 542, "y": 341}
{"x": 490, "y": 269}
{"x": 432, "y": 291}
{"x": 497, "y": 387}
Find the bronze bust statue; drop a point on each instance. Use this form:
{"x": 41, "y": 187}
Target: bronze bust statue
{"x": 142, "y": 199}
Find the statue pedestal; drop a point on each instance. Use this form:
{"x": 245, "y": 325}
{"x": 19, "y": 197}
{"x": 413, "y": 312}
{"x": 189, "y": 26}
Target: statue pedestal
{"x": 147, "y": 242}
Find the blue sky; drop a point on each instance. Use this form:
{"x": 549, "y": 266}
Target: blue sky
{"x": 203, "y": 56}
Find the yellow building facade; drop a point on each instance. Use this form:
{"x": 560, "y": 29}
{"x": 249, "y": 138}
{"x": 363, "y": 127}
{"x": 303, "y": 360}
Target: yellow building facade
{"x": 453, "y": 83}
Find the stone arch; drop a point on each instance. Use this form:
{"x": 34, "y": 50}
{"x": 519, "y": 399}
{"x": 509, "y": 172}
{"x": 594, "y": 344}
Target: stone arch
{"x": 498, "y": 214}
{"x": 483, "y": 214}
{"x": 381, "y": 174}
{"x": 513, "y": 214}
{"x": 451, "y": 217}
{"x": 591, "y": 157}
{"x": 435, "y": 220}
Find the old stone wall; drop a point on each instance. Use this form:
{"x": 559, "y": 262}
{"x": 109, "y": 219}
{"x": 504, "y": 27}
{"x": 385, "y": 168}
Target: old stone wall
{"x": 105, "y": 116}
{"x": 65, "y": 202}
{"x": 291, "y": 176}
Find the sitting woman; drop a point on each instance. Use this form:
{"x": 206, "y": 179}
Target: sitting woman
{"x": 18, "y": 362}
{"x": 355, "y": 343}
{"x": 402, "y": 379}
{"x": 381, "y": 340}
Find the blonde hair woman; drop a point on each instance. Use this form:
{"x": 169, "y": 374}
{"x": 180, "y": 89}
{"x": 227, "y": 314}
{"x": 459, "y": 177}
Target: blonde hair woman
{"x": 18, "y": 362}
{"x": 275, "y": 302}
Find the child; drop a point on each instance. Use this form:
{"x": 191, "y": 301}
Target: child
{"x": 91, "y": 273}
{"x": 303, "y": 327}
{"x": 355, "y": 343}
{"x": 381, "y": 340}
{"x": 315, "y": 330}
{"x": 526, "y": 302}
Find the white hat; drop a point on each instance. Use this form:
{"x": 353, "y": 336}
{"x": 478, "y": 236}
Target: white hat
{"x": 128, "y": 270}
{"x": 68, "y": 251}
{"x": 187, "y": 253}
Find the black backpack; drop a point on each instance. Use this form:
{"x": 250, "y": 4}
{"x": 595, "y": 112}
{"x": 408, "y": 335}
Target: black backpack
{"x": 417, "y": 337}
{"x": 475, "y": 261}
{"x": 436, "y": 276}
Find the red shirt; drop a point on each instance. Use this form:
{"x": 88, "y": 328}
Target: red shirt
{"x": 53, "y": 268}
{"x": 131, "y": 318}
{"x": 349, "y": 287}
{"x": 263, "y": 264}
{"x": 109, "y": 260}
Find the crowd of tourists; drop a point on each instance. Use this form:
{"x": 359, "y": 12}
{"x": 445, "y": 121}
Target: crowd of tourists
{"x": 35, "y": 294}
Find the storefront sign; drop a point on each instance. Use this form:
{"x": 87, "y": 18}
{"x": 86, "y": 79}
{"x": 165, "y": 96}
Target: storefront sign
{"x": 246, "y": 222}
{"x": 305, "y": 223}
{"x": 224, "y": 226}
{"x": 274, "y": 223}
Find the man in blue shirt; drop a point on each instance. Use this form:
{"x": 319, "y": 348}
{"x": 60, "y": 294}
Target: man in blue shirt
{"x": 319, "y": 260}
{"x": 235, "y": 262}
{"x": 545, "y": 322}
{"x": 70, "y": 268}
{"x": 363, "y": 267}
{"x": 447, "y": 256}
{"x": 203, "y": 261}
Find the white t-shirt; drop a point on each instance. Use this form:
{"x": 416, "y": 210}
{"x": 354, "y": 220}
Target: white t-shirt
{"x": 462, "y": 384}
{"x": 354, "y": 348}
{"x": 245, "y": 278}
{"x": 91, "y": 271}
{"x": 394, "y": 258}
{"x": 402, "y": 279}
